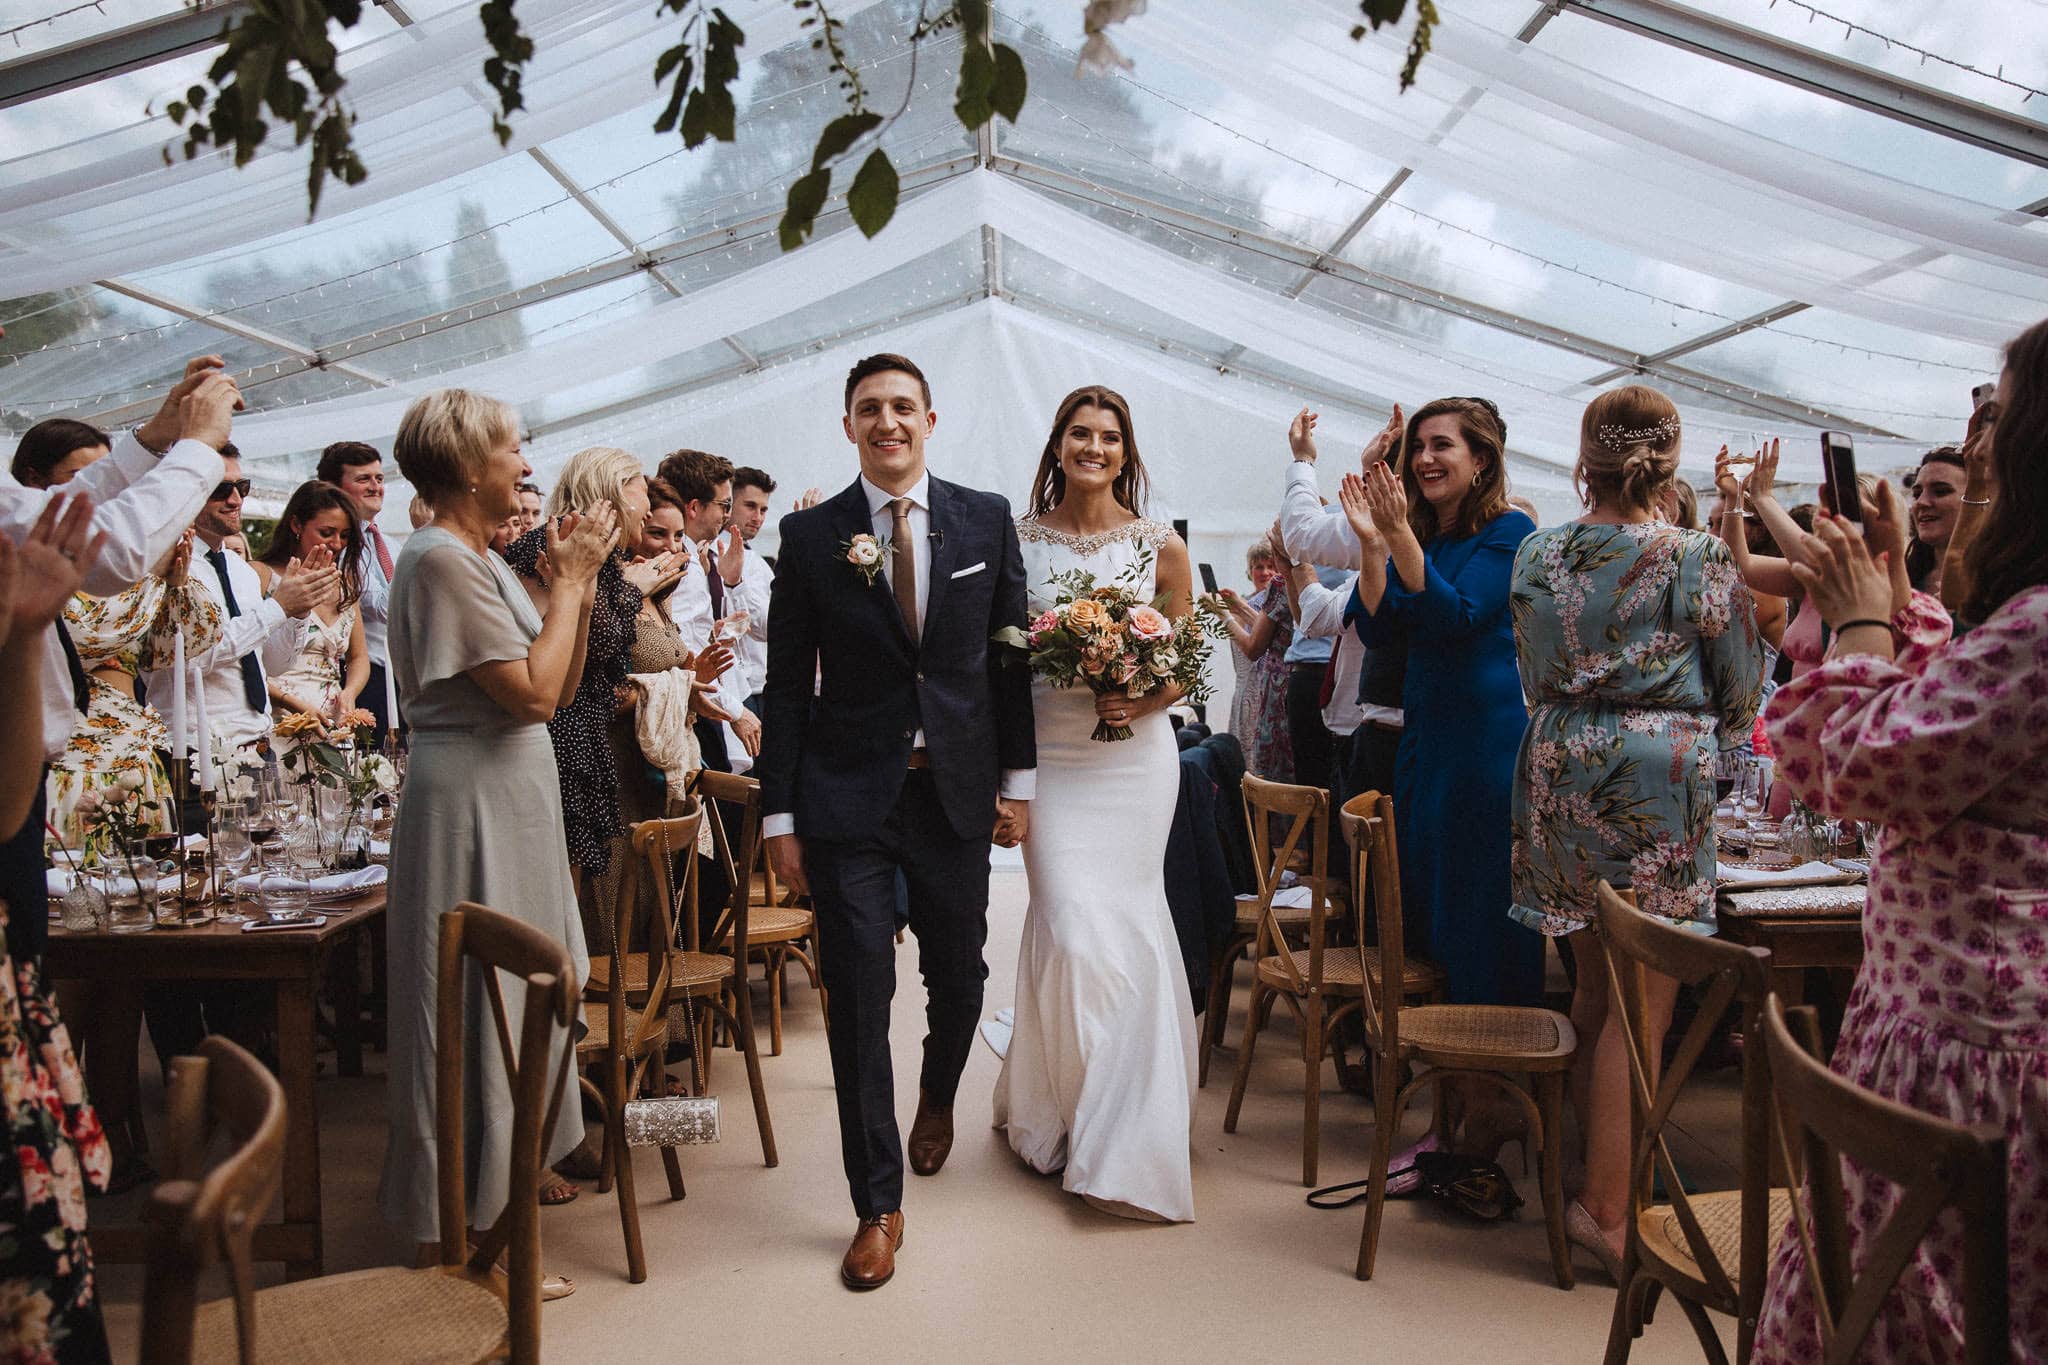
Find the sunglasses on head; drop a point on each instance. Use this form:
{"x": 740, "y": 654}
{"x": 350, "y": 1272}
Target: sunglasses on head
{"x": 227, "y": 486}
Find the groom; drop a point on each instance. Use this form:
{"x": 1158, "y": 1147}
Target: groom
{"x": 896, "y": 741}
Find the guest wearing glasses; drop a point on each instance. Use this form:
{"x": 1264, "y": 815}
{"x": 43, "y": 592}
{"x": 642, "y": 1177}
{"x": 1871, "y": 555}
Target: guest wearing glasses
{"x": 1639, "y": 649}
{"x": 480, "y": 672}
{"x": 1946, "y": 750}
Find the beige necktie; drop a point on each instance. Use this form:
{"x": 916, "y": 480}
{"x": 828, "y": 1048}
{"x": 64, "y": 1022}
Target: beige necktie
{"x": 903, "y": 565}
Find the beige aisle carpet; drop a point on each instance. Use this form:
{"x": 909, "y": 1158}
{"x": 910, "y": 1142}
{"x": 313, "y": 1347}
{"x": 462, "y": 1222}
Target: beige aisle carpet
{"x": 999, "y": 1263}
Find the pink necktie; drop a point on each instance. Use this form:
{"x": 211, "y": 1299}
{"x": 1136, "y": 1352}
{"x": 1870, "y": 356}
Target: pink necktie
{"x": 383, "y": 551}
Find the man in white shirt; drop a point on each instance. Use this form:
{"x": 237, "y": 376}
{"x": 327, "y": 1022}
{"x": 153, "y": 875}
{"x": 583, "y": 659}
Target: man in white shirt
{"x": 750, "y": 490}
{"x": 260, "y": 635}
{"x": 706, "y": 597}
{"x": 357, "y": 469}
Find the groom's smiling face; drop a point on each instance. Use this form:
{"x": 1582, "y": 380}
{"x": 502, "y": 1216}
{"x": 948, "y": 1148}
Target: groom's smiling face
{"x": 887, "y": 422}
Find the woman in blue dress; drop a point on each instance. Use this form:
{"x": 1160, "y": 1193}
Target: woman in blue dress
{"x": 1438, "y": 546}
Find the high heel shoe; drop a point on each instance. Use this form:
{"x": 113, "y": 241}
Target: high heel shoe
{"x": 1582, "y": 1231}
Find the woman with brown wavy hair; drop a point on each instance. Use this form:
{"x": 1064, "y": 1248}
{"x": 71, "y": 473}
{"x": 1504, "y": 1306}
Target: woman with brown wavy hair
{"x": 1437, "y": 547}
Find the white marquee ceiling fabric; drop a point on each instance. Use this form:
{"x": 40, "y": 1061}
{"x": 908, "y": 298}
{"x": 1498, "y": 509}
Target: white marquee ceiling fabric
{"x": 1252, "y": 218}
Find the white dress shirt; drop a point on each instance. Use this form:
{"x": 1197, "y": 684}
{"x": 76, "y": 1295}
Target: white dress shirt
{"x": 1322, "y": 616}
{"x": 689, "y": 606}
{"x": 143, "y": 504}
{"x": 1018, "y": 784}
{"x": 751, "y": 595}
{"x": 374, "y": 594}
{"x": 262, "y": 626}
{"x": 1311, "y": 532}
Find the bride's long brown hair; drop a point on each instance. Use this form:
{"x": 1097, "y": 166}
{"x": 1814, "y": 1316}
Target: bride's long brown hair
{"x": 1049, "y": 485}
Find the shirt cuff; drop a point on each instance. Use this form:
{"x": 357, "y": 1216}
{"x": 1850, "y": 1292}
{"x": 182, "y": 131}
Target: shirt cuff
{"x": 1019, "y": 784}
{"x": 774, "y": 825}
{"x": 1302, "y": 472}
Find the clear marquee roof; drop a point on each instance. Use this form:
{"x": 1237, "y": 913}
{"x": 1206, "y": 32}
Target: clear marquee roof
{"x": 1788, "y": 218}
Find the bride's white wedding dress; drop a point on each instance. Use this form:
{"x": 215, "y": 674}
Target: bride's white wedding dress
{"x": 1100, "y": 1073}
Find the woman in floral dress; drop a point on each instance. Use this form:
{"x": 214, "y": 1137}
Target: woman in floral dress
{"x": 1639, "y": 652}
{"x": 1261, "y": 627}
{"x": 1947, "y": 749}
{"x": 333, "y": 664}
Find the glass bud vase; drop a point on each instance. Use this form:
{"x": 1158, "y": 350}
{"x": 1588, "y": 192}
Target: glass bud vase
{"x": 131, "y": 901}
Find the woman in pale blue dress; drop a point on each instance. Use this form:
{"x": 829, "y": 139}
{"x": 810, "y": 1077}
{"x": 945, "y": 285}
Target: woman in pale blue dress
{"x": 479, "y": 672}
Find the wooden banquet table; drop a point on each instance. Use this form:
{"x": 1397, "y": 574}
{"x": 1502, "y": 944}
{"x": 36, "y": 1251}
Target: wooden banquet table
{"x": 1797, "y": 938}
{"x": 288, "y": 959}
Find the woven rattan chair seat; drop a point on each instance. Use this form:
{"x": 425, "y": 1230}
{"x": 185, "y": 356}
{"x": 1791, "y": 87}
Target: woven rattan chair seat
{"x": 597, "y": 1037}
{"x": 1287, "y": 916}
{"x": 776, "y": 924}
{"x": 1720, "y": 1218}
{"x": 1513, "y": 1034}
{"x": 691, "y": 969}
{"x": 385, "y": 1314}
{"x": 1340, "y": 972}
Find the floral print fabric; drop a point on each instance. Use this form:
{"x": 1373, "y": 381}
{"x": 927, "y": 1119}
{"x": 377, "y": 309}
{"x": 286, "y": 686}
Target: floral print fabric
{"x": 1639, "y": 653}
{"x": 49, "y": 1308}
{"x": 1947, "y": 749}
{"x": 134, "y": 632}
{"x": 1259, "y": 716}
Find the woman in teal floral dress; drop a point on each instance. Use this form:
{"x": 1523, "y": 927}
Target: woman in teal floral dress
{"x": 1640, "y": 656}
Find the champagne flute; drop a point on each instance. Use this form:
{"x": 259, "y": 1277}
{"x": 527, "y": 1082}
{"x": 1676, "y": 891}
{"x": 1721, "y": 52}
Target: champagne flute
{"x": 235, "y": 847}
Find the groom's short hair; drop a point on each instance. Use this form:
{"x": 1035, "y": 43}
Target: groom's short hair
{"x": 880, "y": 364}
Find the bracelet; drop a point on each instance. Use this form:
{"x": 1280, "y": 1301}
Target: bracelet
{"x": 1863, "y": 621}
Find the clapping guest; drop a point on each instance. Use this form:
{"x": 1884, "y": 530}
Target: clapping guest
{"x": 1261, "y": 627}
{"x": 1437, "y": 546}
{"x": 700, "y": 606}
{"x": 51, "y": 1145}
{"x": 750, "y": 491}
{"x": 357, "y": 469}
{"x": 332, "y": 665}
{"x": 1639, "y": 651}
{"x": 1946, "y": 751}
{"x": 480, "y": 672}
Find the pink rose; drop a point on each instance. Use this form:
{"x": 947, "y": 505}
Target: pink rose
{"x": 1149, "y": 623}
{"x": 1047, "y": 620}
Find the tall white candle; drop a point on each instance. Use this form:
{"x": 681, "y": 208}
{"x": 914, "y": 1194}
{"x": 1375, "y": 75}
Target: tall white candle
{"x": 390, "y": 694}
{"x": 203, "y": 740}
{"x": 180, "y": 782}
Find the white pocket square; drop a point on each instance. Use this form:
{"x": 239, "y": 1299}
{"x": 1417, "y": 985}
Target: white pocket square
{"x": 972, "y": 568}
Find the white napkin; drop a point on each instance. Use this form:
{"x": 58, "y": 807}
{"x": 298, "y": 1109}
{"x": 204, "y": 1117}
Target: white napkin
{"x": 333, "y": 884}
{"x": 1293, "y": 898}
{"x": 1806, "y": 874}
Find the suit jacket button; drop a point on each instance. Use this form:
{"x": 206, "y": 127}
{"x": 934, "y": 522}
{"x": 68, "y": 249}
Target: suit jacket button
{"x": 920, "y": 677}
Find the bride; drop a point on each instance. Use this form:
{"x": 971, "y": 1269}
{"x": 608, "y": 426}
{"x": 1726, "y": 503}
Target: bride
{"x": 1100, "y": 1071}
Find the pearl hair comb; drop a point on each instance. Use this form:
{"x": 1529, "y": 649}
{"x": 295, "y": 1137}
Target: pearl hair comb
{"x": 1621, "y": 438}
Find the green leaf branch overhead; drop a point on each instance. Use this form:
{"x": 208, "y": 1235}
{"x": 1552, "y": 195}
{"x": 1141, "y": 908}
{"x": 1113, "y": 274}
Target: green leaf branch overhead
{"x": 280, "y": 66}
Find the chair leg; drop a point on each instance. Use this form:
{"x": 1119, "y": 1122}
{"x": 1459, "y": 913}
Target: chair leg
{"x": 1312, "y": 1045}
{"x": 1550, "y": 1159}
{"x": 622, "y": 1163}
{"x": 772, "y": 969}
{"x": 1386, "y": 1116}
{"x": 1244, "y": 1058}
{"x": 1623, "y": 1329}
{"x": 1703, "y": 1328}
{"x": 674, "y": 1166}
{"x": 743, "y": 1027}
{"x": 1216, "y": 1013}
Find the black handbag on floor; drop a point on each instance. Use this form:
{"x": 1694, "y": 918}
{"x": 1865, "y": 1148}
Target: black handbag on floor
{"x": 1472, "y": 1185}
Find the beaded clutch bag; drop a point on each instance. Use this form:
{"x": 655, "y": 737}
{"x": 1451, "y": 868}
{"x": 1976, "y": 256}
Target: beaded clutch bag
{"x": 672, "y": 1121}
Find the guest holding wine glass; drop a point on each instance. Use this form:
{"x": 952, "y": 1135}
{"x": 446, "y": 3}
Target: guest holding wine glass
{"x": 480, "y": 673}
{"x": 1946, "y": 750}
{"x": 1639, "y": 650}
{"x": 1437, "y": 545}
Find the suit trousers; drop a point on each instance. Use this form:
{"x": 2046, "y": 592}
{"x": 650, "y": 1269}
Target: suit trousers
{"x": 854, "y": 887}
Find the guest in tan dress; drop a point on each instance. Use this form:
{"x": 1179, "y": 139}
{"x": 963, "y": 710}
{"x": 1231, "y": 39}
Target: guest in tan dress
{"x": 479, "y": 671}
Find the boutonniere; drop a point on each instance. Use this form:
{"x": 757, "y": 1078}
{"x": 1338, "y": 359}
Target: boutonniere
{"x": 865, "y": 553}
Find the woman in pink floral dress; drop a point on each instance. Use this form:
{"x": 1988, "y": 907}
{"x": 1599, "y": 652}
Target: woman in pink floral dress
{"x": 1947, "y": 750}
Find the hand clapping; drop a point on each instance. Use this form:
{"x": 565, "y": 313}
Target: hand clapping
{"x": 578, "y": 545}
{"x": 1301, "y": 436}
{"x": 1385, "y": 444}
{"x": 656, "y": 575}
{"x": 1387, "y": 501}
{"x": 50, "y": 563}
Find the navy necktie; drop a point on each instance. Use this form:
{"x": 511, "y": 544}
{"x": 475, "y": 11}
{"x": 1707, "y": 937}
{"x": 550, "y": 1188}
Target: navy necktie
{"x": 717, "y": 584}
{"x": 81, "y": 690}
{"x": 252, "y": 672}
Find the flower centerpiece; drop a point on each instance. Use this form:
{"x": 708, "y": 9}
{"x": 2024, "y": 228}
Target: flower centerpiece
{"x": 337, "y": 757}
{"x": 1107, "y": 638}
{"x": 115, "y": 820}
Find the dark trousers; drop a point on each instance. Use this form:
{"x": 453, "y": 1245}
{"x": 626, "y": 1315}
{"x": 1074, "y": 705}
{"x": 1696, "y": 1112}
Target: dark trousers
{"x": 854, "y": 888}
{"x": 22, "y": 883}
{"x": 1374, "y": 751}
{"x": 1305, "y": 725}
{"x": 373, "y": 701}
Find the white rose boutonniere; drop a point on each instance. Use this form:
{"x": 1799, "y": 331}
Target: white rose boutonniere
{"x": 865, "y": 553}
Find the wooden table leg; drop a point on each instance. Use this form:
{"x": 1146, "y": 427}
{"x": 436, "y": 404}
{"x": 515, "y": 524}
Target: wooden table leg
{"x": 1790, "y": 984}
{"x": 345, "y": 989}
{"x": 302, "y": 1130}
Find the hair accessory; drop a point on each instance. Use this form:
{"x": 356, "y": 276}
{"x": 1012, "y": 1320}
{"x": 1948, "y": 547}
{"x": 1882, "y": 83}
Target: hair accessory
{"x": 1620, "y": 437}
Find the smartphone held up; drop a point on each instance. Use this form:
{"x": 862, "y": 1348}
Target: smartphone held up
{"x": 1839, "y": 493}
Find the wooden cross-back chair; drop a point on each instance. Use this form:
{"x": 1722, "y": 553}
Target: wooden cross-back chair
{"x": 197, "y": 1218}
{"x": 464, "y": 1308}
{"x": 708, "y": 979}
{"x": 1322, "y": 983}
{"x": 1489, "y": 1043}
{"x": 626, "y": 1041}
{"x": 776, "y": 932}
{"x": 1711, "y": 1250}
{"x": 1935, "y": 1165}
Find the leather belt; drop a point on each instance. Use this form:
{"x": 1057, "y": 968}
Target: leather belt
{"x": 920, "y": 758}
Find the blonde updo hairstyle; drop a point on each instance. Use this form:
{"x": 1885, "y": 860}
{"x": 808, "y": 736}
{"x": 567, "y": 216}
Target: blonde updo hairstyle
{"x": 446, "y": 438}
{"x": 1628, "y": 450}
{"x": 594, "y": 475}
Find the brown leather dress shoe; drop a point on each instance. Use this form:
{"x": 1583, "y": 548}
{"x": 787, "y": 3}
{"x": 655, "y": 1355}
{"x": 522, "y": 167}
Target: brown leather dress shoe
{"x": 931, "y": 1136}
{"x": 871, "y": 1260}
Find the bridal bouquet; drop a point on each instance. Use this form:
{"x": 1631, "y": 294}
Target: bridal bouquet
{"x": 1108, "y": 639}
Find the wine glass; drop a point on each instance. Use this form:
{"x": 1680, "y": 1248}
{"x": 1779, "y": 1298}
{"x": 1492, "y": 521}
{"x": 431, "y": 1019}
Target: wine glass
{"x": 234, "y": 846}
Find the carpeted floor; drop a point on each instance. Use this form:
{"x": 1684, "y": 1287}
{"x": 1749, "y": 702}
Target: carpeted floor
{"x": 998, "y": 1263}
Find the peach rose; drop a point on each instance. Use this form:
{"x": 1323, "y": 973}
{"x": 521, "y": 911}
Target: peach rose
{"x": 1087, "y": 615}
{"x": 1149, "y": 623}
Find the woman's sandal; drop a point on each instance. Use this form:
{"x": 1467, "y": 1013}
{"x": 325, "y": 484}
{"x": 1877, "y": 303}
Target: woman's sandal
{"x": 554, "y": 1190}
{"x": 554, "y": 1287}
